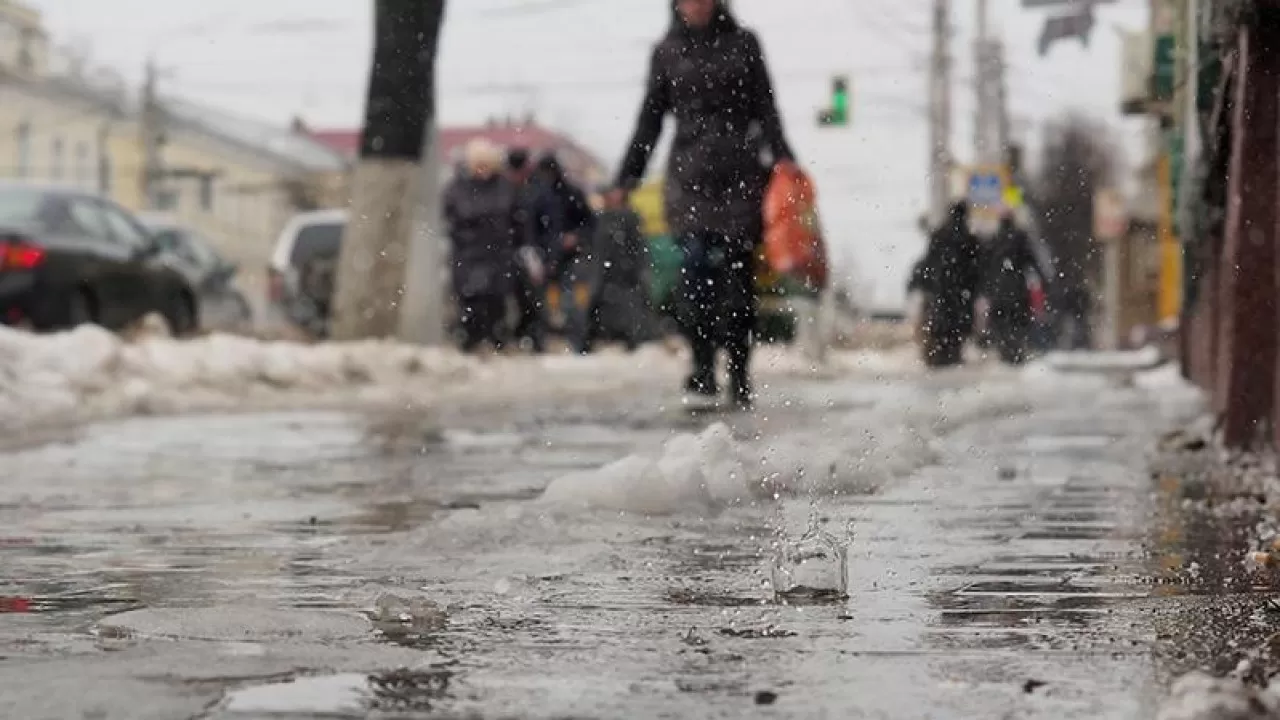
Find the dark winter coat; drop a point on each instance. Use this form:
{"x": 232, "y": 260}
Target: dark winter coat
{"x": 485, "y": 227}
{"x": 560, "y": 208}
{"x": 715, "y": 83}
{"x": 1008, "y": 259}
{"x": 537, "y": 209}
{"x": 951, "y": 269}
{"x": 619, "y": 242}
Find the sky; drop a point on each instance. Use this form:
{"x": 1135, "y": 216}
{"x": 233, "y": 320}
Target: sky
{"x": 577, "y": 65}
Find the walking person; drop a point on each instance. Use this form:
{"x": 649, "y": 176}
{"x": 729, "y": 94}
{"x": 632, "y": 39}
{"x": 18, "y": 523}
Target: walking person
{"x": 1009, "y": 259}
{"x": 485, "y": 226}
{"x": 619, "y": 307}
{"x": 532, "y": 260}
{"x": 565, "y": 221}
{"x": 709, "y": 73}
{"x": 949, "y": 277}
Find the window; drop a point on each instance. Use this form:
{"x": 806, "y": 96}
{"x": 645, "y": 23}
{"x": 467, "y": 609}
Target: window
{"x": 20, "y": 207}
{"x": 84, "y": 173}
{"x": 316, "y": 241}
{"x": 167, "y": 200}
{"x": 80, "y": 217}
{"x": 24, "y": 149}
{"x": 124, "y": 229}
{"x": 206, "y": 194}
{"x": 55, "y": 160}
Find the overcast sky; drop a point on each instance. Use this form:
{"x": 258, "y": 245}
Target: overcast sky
{"x": 578, "y": 65}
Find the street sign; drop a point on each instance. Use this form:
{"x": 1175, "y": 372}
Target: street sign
{"x": 986, "y": 189}
{"x": 1078, "y": 25}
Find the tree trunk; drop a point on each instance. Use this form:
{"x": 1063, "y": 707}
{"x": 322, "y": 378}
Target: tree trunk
{"x": 399, "y": 108}
{"x": 1247, "y": 340}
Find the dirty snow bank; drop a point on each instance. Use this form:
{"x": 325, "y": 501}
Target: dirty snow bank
{"x": 89, "y": 373}
{"x": 1197, "y": 696}
{"x": 854, "y": 452}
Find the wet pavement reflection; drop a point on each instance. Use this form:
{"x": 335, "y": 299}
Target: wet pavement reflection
{"x": 341, "y": 565}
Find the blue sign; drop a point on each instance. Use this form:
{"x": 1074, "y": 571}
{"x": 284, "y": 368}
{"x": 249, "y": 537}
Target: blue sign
{"x": 986, "y": 189}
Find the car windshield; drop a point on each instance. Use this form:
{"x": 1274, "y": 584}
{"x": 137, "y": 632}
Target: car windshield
{"x": 321, "y": 240}
{"x": 20, "y": 206}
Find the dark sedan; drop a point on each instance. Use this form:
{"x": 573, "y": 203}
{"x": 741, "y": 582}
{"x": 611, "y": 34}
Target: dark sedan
{"x": 70, "y": 258}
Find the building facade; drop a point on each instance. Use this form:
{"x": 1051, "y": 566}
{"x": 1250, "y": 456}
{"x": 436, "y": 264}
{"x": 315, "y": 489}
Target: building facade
{"x": 233, "y": 180}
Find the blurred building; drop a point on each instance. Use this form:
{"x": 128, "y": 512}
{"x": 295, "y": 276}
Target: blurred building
{"x": 236, "y": 181}
{"x": 580, "y": 165}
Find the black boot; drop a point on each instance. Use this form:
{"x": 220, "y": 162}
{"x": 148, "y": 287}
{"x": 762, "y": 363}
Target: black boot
{"x": 701, "y": 382}
{"x": 740, "y": 388}
{"x": 740, "y": 393}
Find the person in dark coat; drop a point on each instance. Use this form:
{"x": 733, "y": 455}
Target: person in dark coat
{"x": 949, "y": 276}
{"x": 710, "y": 74}
{"x": 564, "y": 221}
{"x": 620, "y": 308}
{"x": 533, "y": 260}
{"x": 484, "y": 222}
{"x": 1009, "y": 258}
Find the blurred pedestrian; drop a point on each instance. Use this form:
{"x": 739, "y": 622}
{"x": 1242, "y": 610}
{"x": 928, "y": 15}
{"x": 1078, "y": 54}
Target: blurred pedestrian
{"x": 1009, "y": 259}
{"x": 620, "y": 308}
{"x": 564, "y": 222}
{"x": 533, "y": 258}
{"x": 709, "y": 72}
{"x": 484, "y": 222}
{"x": 948, "y": 277}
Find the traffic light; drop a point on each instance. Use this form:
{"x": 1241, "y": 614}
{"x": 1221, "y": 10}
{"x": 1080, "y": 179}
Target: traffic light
{"x": 837, "y": 114}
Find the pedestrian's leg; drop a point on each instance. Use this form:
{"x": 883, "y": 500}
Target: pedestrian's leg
{"x": 695, "y": 313}
{"x": 740, "y": 307}
{"x": 472, "y": 332}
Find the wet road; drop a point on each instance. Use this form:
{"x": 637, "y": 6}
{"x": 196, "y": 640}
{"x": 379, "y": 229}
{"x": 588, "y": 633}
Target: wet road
{"x": 1002, "y": 561}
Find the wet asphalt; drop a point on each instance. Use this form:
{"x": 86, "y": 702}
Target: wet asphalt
{"x": 229, "y": 567}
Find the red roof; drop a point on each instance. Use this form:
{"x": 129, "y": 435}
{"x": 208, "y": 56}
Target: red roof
{"x": 579, "y": 164}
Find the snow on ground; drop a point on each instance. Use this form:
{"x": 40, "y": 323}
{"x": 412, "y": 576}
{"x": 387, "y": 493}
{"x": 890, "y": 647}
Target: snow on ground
{"x": 89, "y": 373}
{"x": 893, "y": 436}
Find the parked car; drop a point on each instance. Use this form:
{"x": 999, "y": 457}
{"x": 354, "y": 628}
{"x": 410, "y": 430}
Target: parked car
{"x": 69, "y": 258}
{"x": 304, "y": 264}
{"x": 223, "y": 305}
{"x": 300, "y": 278}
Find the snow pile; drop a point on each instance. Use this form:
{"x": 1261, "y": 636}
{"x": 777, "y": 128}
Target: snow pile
{"x": 693, "y": 472}
{"x": 89, "y": 373}
{"x": 894, "y": 437}
{"x": 1120, "y": 360}
{"x": 92, "y": 373}
{"x": 1197, "y": 696}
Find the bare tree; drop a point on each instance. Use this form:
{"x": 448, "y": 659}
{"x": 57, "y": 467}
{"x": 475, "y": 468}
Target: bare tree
{"x": 1079, "y": 157}
{"x": 399, "y": 108}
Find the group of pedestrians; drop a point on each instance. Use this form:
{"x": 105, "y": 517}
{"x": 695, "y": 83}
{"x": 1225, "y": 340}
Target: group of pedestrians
{"x": 958, "y": 270}
{"x": 521, "y": 231}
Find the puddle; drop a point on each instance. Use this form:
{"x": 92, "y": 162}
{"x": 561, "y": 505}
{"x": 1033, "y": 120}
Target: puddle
{"x": 348, "y": 695}
{"x": 685, "y": 596}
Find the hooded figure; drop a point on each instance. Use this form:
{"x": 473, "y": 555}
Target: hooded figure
{"x": 562, "y": 223}
{"x": 710, "y": 74}
{"x": 1009, "y": 259}
{"x": 949, "y": 275}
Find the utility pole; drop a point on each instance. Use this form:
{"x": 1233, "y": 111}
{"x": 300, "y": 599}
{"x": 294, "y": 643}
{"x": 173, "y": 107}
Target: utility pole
{"x": 940, "y": 159}
{"x": 982, "y": 89}
{"x": 387, "y": 184}
{"x": 151, "y": 129}
{"x": 1001, "y": 97}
